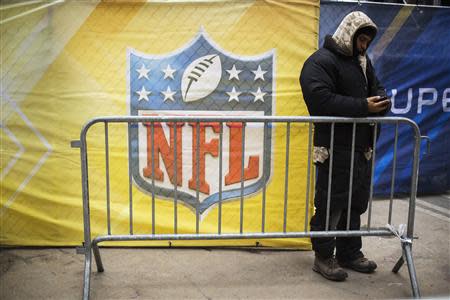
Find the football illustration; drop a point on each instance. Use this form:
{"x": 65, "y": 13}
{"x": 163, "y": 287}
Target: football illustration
{"x": 201, "y": 78}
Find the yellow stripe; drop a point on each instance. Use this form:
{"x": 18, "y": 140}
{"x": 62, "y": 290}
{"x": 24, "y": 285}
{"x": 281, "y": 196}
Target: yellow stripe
{"x": 391, "y": 32}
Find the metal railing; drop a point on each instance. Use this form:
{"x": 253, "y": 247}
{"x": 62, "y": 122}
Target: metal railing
{"x": 151, "y": 125}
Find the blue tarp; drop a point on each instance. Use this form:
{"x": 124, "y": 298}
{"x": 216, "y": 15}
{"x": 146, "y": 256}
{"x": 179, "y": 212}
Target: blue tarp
{"x": 411, "y": 55}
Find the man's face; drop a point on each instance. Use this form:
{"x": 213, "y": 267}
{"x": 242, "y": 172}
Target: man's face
{"x": 362, "y": 43}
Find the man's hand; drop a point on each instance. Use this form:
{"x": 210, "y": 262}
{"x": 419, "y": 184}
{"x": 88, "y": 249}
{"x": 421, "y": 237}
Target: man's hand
{"x": 375, "y": 105}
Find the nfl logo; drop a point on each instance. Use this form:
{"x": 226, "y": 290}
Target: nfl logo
{"x": 200, "y": 79}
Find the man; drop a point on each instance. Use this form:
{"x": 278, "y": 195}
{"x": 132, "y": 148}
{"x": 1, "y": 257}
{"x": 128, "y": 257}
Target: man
{"x": 339, "y": 80}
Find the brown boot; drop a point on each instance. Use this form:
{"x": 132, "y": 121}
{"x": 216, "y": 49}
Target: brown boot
{"x": 329, "y": 268}
{"x": 361, "y": 264}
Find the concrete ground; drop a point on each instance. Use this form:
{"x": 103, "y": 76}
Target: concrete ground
{"x": 130, "y": 273}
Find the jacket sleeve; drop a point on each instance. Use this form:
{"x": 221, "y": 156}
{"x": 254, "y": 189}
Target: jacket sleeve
{"x": 318, "y": 82}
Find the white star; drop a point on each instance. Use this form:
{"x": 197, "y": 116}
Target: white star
{"x": 234, "y": 73}
{"x": 233, "y": 95}
{"x": 259, "y": 73}
{"x": 259, "y": 95}
{"x": 143, "y": 72}
{"x": 168, "y": 72}
{"x": 143, "y": 94}
{"x": 168, "y": 94}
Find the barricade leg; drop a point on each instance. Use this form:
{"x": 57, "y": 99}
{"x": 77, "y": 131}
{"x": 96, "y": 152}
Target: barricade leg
{"x": 407, "y": 248}
{"x": 87, "y": 273}
{"x": 98, "y": 259}
{"x": 407, "y": 255}
{"x": 398, "y": 265}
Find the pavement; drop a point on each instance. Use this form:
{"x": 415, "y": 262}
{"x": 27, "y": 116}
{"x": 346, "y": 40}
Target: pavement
{"x": 232, "y": 273}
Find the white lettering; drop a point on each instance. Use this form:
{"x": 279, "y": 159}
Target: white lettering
{"x": 421, "y": 101}
{"x": 425, "y": 97}
{"x": 399, "y": 111}
{"x": 446, "y": 100}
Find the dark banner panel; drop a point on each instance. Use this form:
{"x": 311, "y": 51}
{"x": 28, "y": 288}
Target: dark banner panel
{"x": 411, "y": 55}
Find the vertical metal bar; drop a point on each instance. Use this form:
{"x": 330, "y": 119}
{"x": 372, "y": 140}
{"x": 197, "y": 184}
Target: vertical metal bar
{"x": 263, "y": 212}
{"x": 350, "y": 188}
{"x": 330, "y": 172}
{"x": 219, "y": 222}
{"x": 197, "y": 217}
{"x": 286, "y": 174}
{"x": 108, "y": 194}
{"x": 87, "y": 273}
{"x": 152, "y": 133}
{"x": 175, "y": 171}
{"x": 394, "y": 167}
{"x": 414, "y": 178}
{"x": 308, "y": 176}
{"x": 130, "y": 186}
{"x": 374, "y": 152}
{"x": 241, "y": 219}
{"x": 86, "y": 214}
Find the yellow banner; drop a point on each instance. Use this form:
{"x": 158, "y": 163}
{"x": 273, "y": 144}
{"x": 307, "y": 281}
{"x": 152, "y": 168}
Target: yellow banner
{"x": 64, "y": 63}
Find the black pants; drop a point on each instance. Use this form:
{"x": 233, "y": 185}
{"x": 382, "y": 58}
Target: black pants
{"x": 347, "y": 248}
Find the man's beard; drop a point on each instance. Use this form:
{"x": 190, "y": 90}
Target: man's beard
{"x": 357, "y": 52}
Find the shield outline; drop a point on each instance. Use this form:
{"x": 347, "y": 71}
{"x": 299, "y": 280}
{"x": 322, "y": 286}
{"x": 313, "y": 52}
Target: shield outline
{"x": 186, "y": 198}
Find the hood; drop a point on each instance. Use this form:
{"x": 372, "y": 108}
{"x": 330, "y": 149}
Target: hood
{"x": 343, "y": 36}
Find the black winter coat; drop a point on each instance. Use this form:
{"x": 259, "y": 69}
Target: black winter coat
{"x": 334, "y": 84}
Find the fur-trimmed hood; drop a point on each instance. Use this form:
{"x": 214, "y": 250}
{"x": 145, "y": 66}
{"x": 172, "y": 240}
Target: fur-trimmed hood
{"x": 343, "y": 36}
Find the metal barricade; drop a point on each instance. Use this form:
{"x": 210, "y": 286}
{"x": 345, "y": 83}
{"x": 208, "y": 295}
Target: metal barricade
{"x": 151, "y": 123}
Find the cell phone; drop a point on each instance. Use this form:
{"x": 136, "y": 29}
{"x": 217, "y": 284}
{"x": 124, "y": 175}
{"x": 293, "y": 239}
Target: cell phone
{"x": 383, "y": 98}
